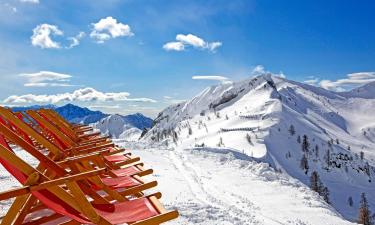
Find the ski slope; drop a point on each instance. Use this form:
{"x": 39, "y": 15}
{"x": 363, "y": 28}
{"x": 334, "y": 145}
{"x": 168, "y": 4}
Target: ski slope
{"x": 253, "y": 117}
{"x": 218, "y": 186}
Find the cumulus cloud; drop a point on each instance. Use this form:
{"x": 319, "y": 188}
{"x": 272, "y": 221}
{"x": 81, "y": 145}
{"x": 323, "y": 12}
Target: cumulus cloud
{"x": 191, "y": 40}
{"x": 30, "y": 1}
{"x": 46, "y": 79}
{"x": 260, "y": 70}
{"x": 108, "y": 28}
{"x": 42, "y": 36}
{"x": 74, "y": 41}
{"x": 174, "y": 46}
{"x": 353, "y": 80}
{"x": 82, "y": 95}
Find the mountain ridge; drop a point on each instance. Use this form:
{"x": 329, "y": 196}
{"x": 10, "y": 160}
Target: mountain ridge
{"x": 255, "y": 116}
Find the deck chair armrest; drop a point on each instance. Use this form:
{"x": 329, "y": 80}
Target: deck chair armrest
{"x": 84, "y": 146}
{"x": 47, "y": 184}
{"x": 90, "y": 134}
{"x": 88, "y": 156}
{"x": 117, "y": 151}
{"x": 96, "y": 148}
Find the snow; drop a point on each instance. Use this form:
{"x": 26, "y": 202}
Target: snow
{"x": 263, "y": 108}
{"x": 227, "y": 156}
{"x": 200, "y": 183}
{"x": 116, "y": 127}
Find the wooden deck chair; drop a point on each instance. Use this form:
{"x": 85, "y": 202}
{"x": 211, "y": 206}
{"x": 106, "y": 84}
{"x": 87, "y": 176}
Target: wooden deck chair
{"x": 65, "y": 122}
{"x": 134, "y": 185}
{"x": 135, "y": 169}
{"x": 45, "y": 124}
{"x": 116, "y": 170}
{"x": 78, "y": 138}
{"x": 65, "y": 197}
{"x": 74, "y": 134}
{"x": 69, "y": 142}
{"x": 106, "y": 150}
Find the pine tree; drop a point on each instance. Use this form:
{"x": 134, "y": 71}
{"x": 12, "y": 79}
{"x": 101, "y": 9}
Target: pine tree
{"x": 248, "y": 138}
{"x": 362, "y": 155}
{"x": 328, "y": 157}
{"x": 325, "y": 194}
{"x": 314, "y": 181}
{"x": 304, "y": 164}
{"x": 291, "y": 130}
{"x": 316, "y": 151}
{"x": 299, "y": 139}
{"x": 190, "y": 131}
{"x": 364, "y": 211}
{"x": 305, "y": 144}
{"x": 350, "y": 201}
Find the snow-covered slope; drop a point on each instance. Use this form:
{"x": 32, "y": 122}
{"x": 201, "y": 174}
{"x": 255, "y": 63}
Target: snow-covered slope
{"x": 117, "y": 127}
{"x": 268, "y": 118}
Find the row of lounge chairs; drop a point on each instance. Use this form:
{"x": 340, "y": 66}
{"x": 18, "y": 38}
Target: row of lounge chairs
{"x": 81, "y": 176}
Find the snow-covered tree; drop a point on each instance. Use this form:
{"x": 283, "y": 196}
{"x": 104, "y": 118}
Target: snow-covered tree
{"x": 299, "y": 139}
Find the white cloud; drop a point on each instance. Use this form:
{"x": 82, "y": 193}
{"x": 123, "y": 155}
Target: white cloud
{"x": 109, "y": 28}
{"x": 74, "y": 41}
{"x": 30, "y": 1}
{"x": 353, "y": 80}
{"x": 260, "y": 70}
{"x": 42, "y": 36}
{"x": 191, "y": 40}
{"x": 46, "y": 79}
{"x": 174, "y": 46}
{"x": 82, "y": 95}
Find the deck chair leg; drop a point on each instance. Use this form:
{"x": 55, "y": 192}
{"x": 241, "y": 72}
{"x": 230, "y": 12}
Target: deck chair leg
{"x": 25, "y": 210}
{"x": 14, "y": 210}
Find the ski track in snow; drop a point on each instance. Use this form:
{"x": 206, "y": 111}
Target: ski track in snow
{"x": 201, "y": 192}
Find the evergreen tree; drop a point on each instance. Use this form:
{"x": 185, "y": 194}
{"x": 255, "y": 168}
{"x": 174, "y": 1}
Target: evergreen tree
{"x": 314, "y": 181}
{"x": 299, "y": 139}
{"x": 362, "y": 155}
{"x": 304, "y": 164}
{"x": 305, "y": 144}
{"x": 190, "y": 131}
{"x": 325, "y": 194}
{"x": 248, "y": 138}
{"x": 316, "y": 151}
{"x": 291, "y": 130}
{"x": 364, "y": 211}
{"x": 350, "y": 201}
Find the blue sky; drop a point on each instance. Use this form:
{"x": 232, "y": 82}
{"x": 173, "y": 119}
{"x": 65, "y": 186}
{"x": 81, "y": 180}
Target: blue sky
{"x": 326, "y": 43}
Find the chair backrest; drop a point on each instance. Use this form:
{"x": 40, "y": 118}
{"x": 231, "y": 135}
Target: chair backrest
{"x": 64, "y": 140}
{"x": 63, "y": 126}
{"x": 20, "y": 124}
{"x": 14, "y": 165}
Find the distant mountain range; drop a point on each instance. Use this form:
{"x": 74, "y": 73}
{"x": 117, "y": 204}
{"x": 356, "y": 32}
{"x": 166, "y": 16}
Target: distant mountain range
{"x": 76, "y": 114}
{"x": 117, "y": 126}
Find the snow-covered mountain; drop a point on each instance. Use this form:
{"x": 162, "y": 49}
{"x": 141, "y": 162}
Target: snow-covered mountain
{"x": 127, "y": 127}
{"x": 295, "y": 127}
{"x": 119, "y": 127}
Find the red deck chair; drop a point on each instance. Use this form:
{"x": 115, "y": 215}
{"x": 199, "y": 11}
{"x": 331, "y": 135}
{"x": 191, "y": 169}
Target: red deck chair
{"x": 74, "y": 205}
{"x": 123, "y": 177}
